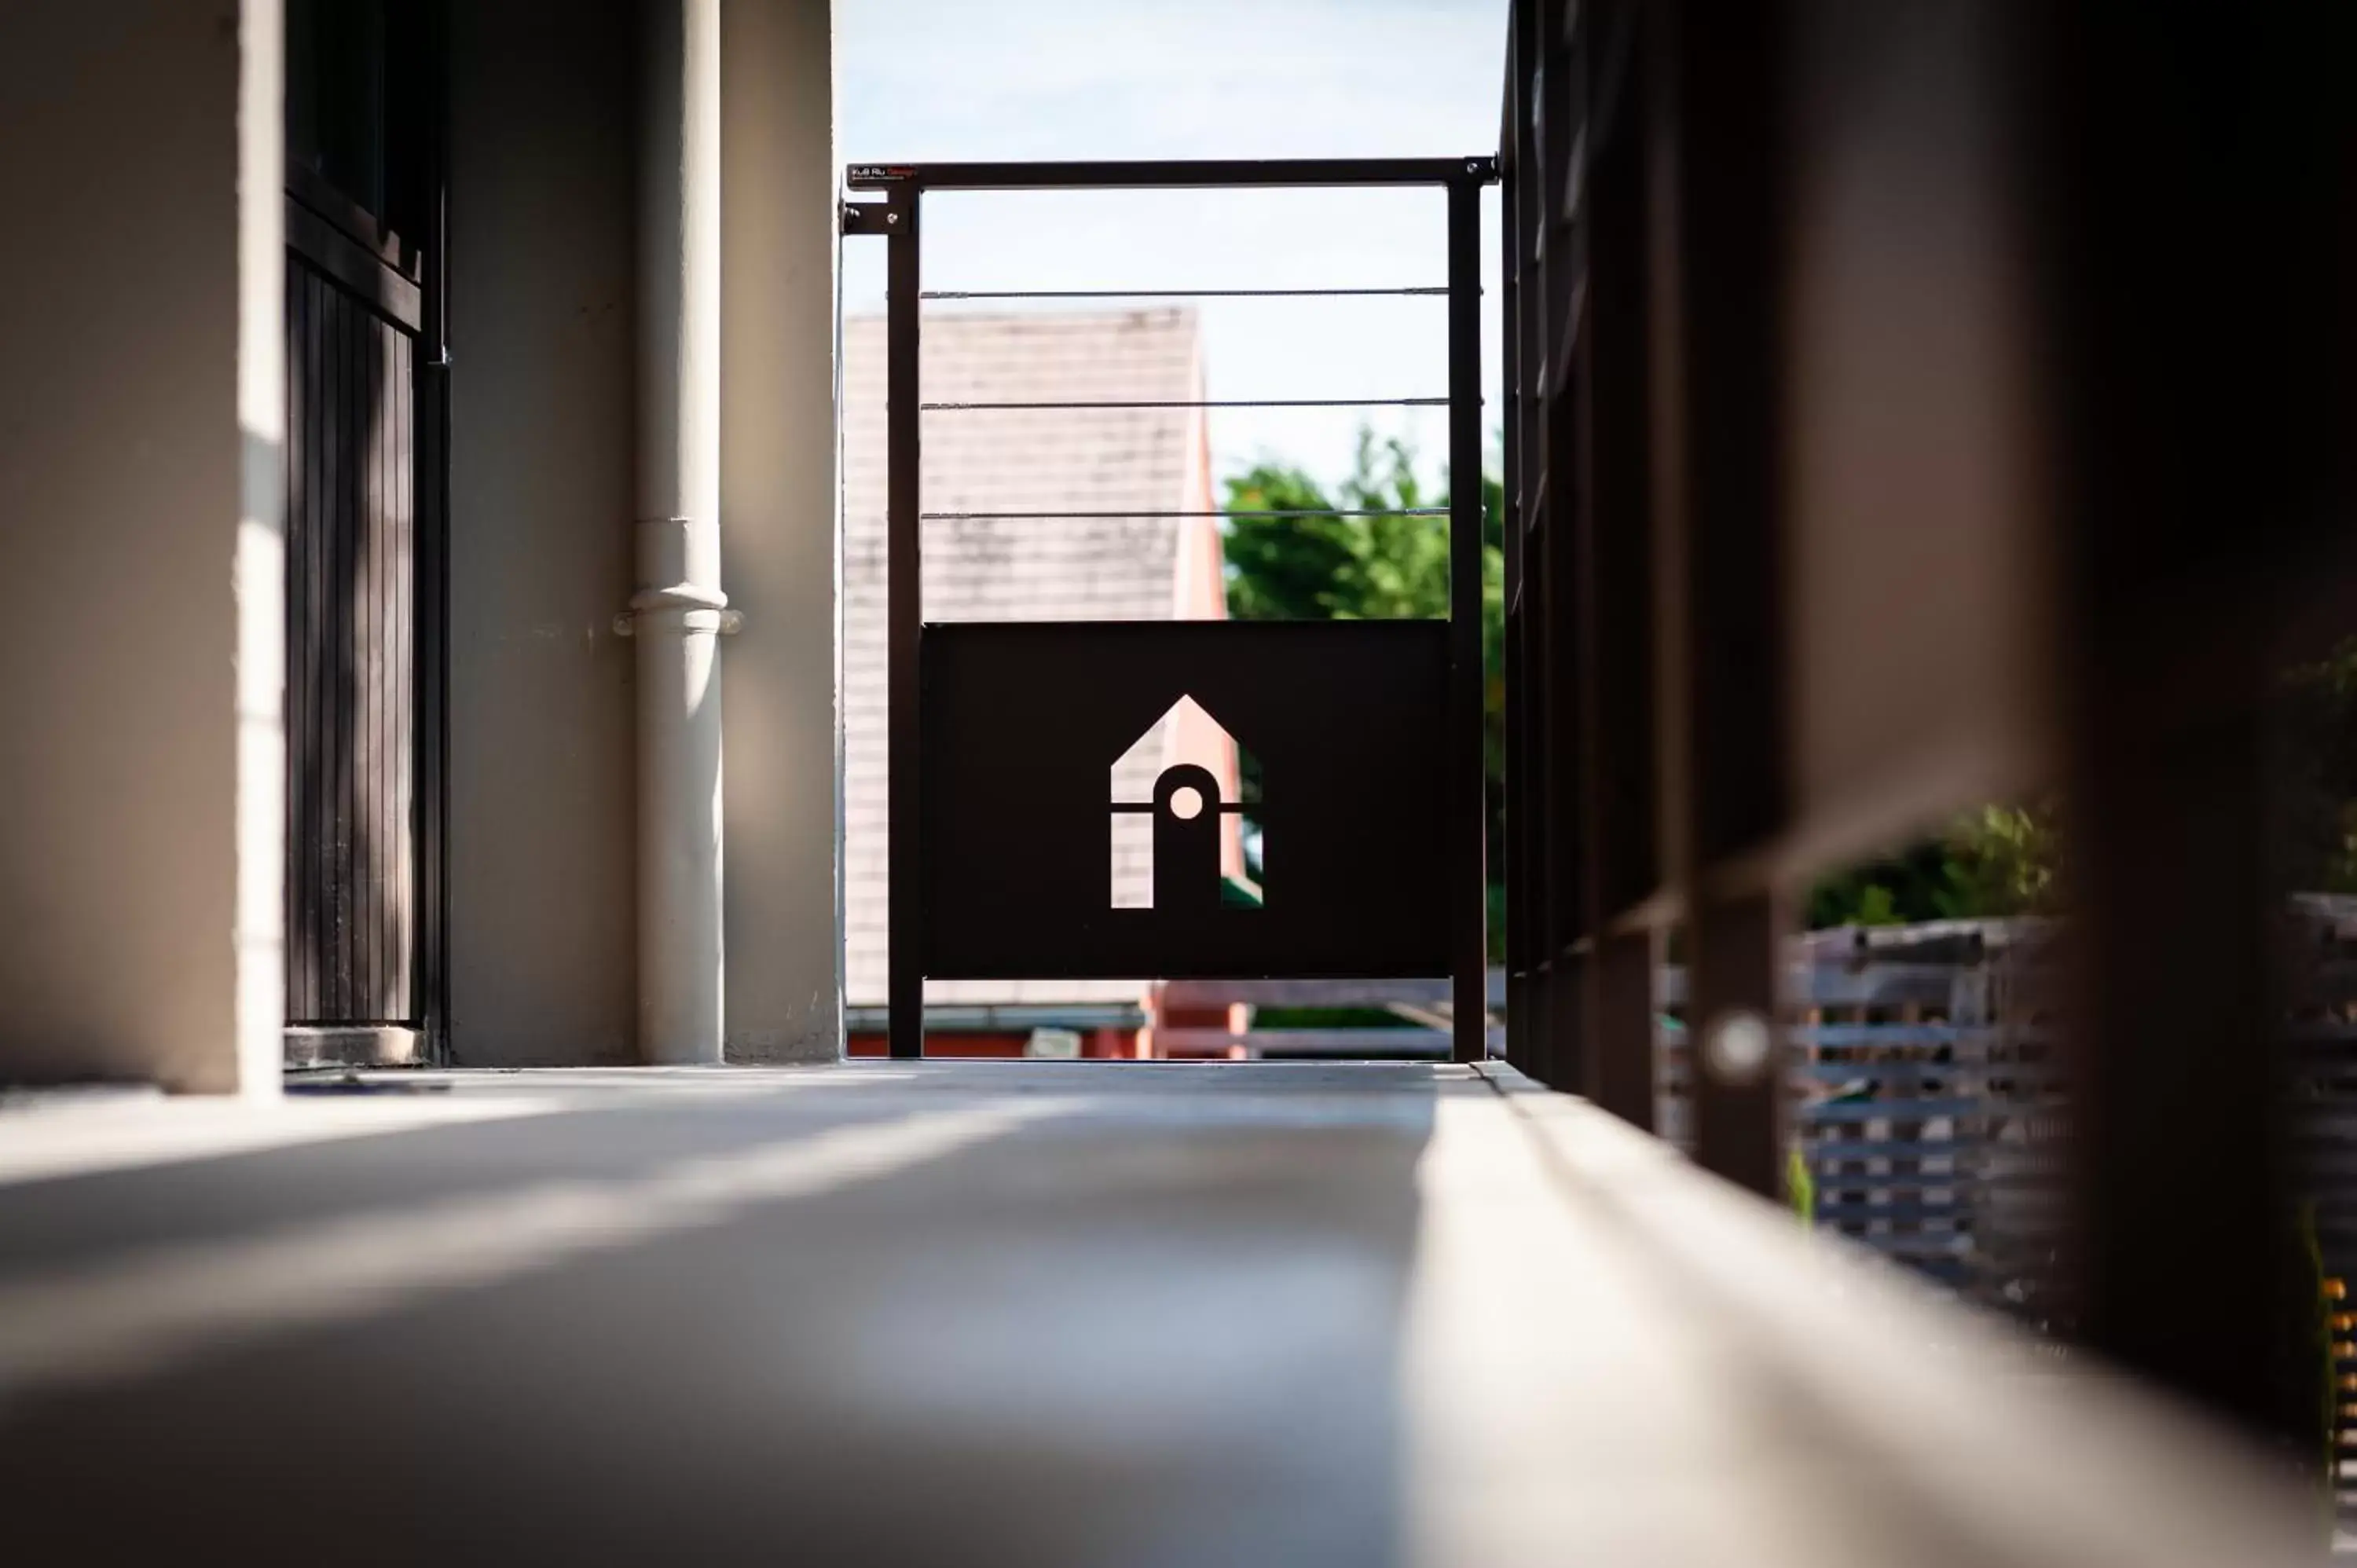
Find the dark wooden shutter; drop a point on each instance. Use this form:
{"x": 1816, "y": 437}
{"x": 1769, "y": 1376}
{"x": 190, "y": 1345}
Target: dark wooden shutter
{"x": 352, "y": 655}
{"x": 362, "y": 687}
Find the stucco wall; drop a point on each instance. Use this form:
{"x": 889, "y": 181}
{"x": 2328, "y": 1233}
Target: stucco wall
{"x": 124, "y": 480}
{"x": 543, "y": 207}
{"x": 777, "y": 531}
{"x": 544, "y": 203}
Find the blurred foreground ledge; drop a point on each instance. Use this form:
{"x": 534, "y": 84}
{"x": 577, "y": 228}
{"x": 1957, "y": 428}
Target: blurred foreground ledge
{"x": 1076, "y": 1313}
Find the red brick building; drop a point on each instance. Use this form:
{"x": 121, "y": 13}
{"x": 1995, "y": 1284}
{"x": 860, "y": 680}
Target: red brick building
{"x": 1033, "y": 514}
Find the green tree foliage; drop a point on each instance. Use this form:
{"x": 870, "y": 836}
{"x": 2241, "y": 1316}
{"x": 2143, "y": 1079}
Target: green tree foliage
{"x": 2318, "y": 764}
{"x": 1996, "y": 861}
{"x": 1800, "y": 1185}
{"x": 1378, "y": 567}
{"x": 2006, "y": 860}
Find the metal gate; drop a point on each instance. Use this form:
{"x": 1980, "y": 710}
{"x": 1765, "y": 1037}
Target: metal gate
{"x": 1000, "y": 734}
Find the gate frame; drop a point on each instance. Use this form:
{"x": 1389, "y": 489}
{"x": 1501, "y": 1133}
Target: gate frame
{"x": 897, "y": 218}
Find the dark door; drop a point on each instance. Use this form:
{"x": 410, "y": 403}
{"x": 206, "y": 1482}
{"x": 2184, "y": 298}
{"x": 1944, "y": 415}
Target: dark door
{"x": 361, "y": 679}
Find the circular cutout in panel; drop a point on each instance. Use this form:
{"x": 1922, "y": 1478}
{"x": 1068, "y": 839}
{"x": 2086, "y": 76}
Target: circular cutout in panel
{"x": 1186, "y": 802}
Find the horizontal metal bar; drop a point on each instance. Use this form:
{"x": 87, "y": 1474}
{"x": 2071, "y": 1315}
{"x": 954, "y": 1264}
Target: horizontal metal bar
{"x": 1178, "y": 293}
{"x": 1855, "y": 1037}
{"x": 1309, "y": 1041}
{"x": 1008, "y": 1017}
{"x": 1298, "y": 511}
{"x": 970, "y": 612}
{"x": 1329, "y": 992}
{"x": 1889, "y": 1072}
{"x": 1853, "y": 1150}
{"x": 1832, "y": 983}
{"x": 1912, "y": 1211}
{"x": 1173, "y": 174}
{"x": 1212, "y": 403}
{"x": 1844, "y": 1112}
{"x": 1195, "y": 993}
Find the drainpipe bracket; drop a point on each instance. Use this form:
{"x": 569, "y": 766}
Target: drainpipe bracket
{"x": 698, "y": 608}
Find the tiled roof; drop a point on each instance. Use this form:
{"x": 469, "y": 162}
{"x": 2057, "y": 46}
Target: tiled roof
{"x": 1125, "y": 567}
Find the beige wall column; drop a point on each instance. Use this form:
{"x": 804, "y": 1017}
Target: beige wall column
{"x": 778, "y": 496}
{"x": 259, "y": 573}
{"x": 543, "y": 221}
{"x": 679, "y": 611}
{"x": 140, "y": 755}
{"x": 551, "y": 387}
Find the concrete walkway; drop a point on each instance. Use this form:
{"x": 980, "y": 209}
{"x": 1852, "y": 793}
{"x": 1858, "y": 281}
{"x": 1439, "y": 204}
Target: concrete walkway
{"x": 1023, "y": 1315}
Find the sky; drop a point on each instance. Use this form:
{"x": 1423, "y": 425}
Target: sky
{"x": 943, "y": 79}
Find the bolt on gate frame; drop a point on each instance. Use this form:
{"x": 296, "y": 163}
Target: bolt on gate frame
{"x": 1368, "y": 732}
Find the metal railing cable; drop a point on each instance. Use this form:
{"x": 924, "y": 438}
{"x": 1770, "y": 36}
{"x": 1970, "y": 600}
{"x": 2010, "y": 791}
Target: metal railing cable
{"x": 1196, "y": 403}
{"x": 1255, "y": 513}
{"x": 1439, "y": 291}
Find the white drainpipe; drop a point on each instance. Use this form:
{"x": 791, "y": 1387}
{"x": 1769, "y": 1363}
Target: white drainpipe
{"x": 679, "y": 612}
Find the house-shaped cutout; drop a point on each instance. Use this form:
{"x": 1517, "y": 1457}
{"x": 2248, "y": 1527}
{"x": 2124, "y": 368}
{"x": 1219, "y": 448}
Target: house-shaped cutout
{"x": 1186, "y": 773}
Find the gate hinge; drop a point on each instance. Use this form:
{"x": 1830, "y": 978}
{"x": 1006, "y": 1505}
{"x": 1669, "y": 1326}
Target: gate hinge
{"x": 870, "y": 218}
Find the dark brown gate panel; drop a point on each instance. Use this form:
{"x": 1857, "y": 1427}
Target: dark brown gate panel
{"x": 1023, "y": 721}
{"x": 351, "y": 904}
